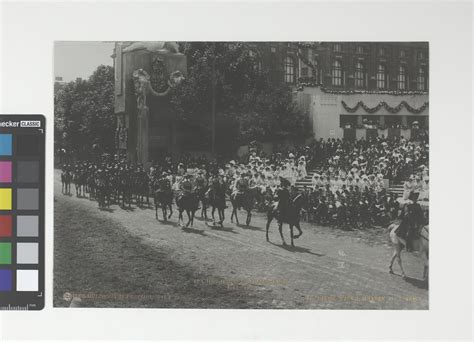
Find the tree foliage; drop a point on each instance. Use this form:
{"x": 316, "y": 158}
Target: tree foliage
{"x": 84, "y": 112}
{"x": 245, "y": 95}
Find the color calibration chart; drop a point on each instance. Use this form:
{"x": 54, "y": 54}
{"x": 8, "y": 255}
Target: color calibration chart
{"x": 22, "y": 174}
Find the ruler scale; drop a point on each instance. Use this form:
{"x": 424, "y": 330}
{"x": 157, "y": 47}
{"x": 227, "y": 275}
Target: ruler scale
{"x": 22, "y": 234}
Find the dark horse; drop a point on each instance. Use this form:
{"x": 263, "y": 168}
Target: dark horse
{"x": 163, "y": 197}
{"x": 216, "y": 198}
{"x": 245, "y": 200}
{"x": 66, "y": 179}
{"x": 292, "y": 217}
{"x": 189, "y": 202}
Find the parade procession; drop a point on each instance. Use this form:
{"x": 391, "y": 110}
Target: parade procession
{"x": 247, "y": 146}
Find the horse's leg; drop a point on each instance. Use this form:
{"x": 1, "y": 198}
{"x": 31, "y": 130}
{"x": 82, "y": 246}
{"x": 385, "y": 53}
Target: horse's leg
{"x": 291, "y": 234}
{"x": 269, "y": 220}
{"x": 232, "y": 215}
{"x": 394, "y": 255}
{"x": 399, "y": 259}
{"x": 249, "y": 217}
{"x": 188, "y": 212}
{"x": 280, "y": 225}
{"x": 222, "y": 210}
{"x": 212, "y": 214}
{"x": 425, "y": 267}
{"x": 221, "y": 216}
{"x": 236, "y": 217}
{"x": 297, "y": 225}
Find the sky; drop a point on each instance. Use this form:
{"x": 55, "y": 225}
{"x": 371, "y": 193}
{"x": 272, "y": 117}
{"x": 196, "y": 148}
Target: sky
{"x": 80, "y": 58}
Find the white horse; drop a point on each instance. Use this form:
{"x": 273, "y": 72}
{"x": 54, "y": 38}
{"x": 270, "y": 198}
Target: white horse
{"x": 420, "y": 244}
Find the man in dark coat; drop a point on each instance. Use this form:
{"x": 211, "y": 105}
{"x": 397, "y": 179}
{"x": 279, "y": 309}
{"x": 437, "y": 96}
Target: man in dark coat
{"x": 412, "y": 219}
{"x": 283, "y": 194}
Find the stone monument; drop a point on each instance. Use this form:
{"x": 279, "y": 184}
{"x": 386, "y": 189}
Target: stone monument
{"x": 145, "y": 74}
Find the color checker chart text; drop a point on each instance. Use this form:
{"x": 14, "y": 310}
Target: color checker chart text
{"x": 22, "y": 151}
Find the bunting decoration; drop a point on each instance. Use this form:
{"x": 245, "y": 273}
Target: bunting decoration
{"x": 312, "y": 82}
{"x": 390, "y": 109}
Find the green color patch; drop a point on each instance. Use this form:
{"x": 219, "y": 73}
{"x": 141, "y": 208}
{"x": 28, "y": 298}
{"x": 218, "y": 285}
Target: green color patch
{"x": 5, "y": 253}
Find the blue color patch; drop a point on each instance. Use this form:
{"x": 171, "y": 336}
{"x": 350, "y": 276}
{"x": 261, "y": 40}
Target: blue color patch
{"x": 5, "y": 144}
{"x": 5, "y": 280}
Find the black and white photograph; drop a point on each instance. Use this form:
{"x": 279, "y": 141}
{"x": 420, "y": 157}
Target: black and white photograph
{"x": 241, "y": 175}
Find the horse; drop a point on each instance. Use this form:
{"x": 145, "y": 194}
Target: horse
{"x": 201, "y": 193}
{"x": 66, "y": 178}
{"x": 419, "y": 242}
{"x": 79, "y": 179}
{"x": 189, "y": 202}
{"x": 292, "y": 217}
{"x": 163, "y": 197}
{"x": 216, "y": 198}
{"x": 245, "y": 200}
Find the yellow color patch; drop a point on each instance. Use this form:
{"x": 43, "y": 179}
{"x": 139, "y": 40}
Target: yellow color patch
{"x": 5, "y": 199}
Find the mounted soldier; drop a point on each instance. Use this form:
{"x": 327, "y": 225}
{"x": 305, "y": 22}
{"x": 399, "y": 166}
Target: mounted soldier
{"x": 411, "y": 219}
{"x": 283, "y": 197}
{"x": 163, "y": 196}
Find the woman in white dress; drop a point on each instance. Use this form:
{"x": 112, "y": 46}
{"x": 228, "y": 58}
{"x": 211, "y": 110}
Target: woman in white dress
{"x": 302, "y": 168}
{"x": 408, "y": 187}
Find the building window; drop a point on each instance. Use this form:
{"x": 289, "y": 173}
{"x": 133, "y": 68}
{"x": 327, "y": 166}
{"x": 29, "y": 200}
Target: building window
{"x": 420, "y": 55}
{"x": 381, "y": 51}
{"x": 421, "y": 79}
{"x": 381, "y": 76}
{"x": 337, "y": 48}
{"x": 360, "y": 49}
{"x": 401, "y": 78}
{"x": 402, "y": 53}
{"x": 359, "y": 75}
{"x": 336, "y": 73}
{"x": 289, "y": 70}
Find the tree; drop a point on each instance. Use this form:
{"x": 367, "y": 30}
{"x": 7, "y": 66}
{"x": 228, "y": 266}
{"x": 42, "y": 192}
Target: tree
{"x": 84, "y": 112}
{"x": 245, "y": 94}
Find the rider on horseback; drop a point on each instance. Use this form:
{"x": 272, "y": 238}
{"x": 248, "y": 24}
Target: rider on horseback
{"x": 186, "y": 185}
{"x": 412, "y": 218}
{"x": 283, "y": 195}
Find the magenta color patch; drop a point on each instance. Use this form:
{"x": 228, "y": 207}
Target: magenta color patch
{"x": 5, "y": 171}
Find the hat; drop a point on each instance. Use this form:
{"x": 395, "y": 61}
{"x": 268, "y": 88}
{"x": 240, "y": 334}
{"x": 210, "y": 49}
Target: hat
{"x": 232, "y": 162}
{"x": 413, "y": 196}
{"x": 291, "y": 155}
{"x": 284, "y": 181}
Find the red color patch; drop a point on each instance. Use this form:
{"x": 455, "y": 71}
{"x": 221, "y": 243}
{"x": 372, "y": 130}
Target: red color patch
{"x": 5, "y": 226}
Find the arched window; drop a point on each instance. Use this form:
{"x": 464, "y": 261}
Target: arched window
{"x": 401, "y": 78}
{"x": 336, "y": 73}
{"x": 337, "y": 47}
{"x": 289, "y": 70}
{"x": 360, "y": 49}
{"x": 359, "y": 75}
{"x": 316, "y": 70}
{"x": 381, "y": 76}
{"x": 421, "y": 79}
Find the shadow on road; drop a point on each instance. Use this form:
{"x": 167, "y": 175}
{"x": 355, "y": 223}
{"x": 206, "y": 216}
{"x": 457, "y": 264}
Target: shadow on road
{"x": 249, "y": 227}
{"x": 168, "y": 223}
{"x": 297, "y": 249}
{"x": 193, "y": 231}
{"x": 421, "y": 284}
{"x": 224, "y": 229}
{"x": 109, "y": 210}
